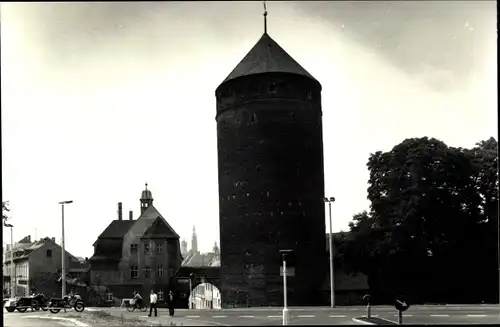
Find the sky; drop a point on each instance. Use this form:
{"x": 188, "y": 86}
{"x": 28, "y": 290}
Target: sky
{"x": 99, "y": 98}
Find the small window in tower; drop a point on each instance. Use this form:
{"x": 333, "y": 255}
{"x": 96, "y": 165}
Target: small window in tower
{"x": 281, "y": 213}
{"x": 309, "y": 95}
{"x": 253, "y": 118}
{"x": 272, "y": 88}
{"x": 257, "y": 168}
{"x": 271, "y": 214}
{"x": 49, "y": 253}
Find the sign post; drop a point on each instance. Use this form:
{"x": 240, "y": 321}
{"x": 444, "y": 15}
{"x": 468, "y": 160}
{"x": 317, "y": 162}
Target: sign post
{"x": 368, "y": 299}
{"x": 401, "y": 305}
{"x": 284, "y": 254}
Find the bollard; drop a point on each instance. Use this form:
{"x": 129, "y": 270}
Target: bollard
{"x": 400, "y": 317}
{"x": 368, "y": 311}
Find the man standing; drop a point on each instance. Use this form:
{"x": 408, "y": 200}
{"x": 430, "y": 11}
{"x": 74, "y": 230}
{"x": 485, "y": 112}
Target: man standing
{"x": 171, "y": 303}
{"x": 153, "y": 298}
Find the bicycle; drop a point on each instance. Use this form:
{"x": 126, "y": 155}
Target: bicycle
{"x": 132, "y": 305}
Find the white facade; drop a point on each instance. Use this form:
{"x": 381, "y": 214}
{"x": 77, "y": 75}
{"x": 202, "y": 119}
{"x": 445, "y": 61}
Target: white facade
{"x": 205, "y": 296}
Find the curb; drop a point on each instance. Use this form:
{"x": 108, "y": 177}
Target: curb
{"x": 362, "y": 322}
{"x": 374, "y": 321}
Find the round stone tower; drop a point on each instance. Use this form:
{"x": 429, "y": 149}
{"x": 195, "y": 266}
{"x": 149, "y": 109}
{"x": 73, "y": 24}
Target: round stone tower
{"x": 271, "y": 179}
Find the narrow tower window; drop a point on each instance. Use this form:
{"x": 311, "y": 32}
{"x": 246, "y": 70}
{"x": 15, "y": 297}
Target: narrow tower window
{"x": 272, "y": 89}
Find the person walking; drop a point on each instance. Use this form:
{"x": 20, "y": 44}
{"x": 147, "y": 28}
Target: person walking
{"x": 171, "y": 303}
{"x": 153, "y": 298}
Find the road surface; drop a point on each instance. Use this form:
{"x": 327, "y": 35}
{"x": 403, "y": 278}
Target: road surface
{"x": 36, "y": 319}
{"x": 468, "y": 314}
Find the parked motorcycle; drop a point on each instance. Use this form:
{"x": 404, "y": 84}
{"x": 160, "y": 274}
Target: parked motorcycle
{"x": 34, "y": 302}
{"x": 67, "y": 302}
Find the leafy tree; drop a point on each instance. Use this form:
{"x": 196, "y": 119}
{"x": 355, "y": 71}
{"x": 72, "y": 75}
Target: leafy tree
{"x": 428, "y": 202}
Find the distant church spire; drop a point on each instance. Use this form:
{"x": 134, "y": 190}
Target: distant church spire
{"x": 265, "y": 18}
{"x": 194, "y": 242}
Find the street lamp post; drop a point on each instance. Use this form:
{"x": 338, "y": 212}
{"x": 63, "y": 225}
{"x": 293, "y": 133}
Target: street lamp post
{"x": 330, "y": 248}
{"x": 63, "y": 254}
{"x": 12, "y": 270}
{"x": 286, "y": 317}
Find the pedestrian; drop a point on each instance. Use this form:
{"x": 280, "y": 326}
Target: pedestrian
{"x": 153, "y": 298}
{"x": 171, "y": 303}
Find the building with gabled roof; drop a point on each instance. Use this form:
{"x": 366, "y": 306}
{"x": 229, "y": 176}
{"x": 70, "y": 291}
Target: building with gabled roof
{"x": 136, "y": 255}
{"x": 33, "y": 259}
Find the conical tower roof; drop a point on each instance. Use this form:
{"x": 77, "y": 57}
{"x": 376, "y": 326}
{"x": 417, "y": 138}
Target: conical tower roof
{"x": 267, "y": 57}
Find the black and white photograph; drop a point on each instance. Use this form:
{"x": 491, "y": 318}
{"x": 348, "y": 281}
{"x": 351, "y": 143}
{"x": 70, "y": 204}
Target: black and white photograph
{"x": 249, "y": 163}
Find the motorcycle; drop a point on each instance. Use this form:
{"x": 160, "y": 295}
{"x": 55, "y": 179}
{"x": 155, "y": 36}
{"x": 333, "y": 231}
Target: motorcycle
{"x": 132, "y": 305}
{"x": 67, "y": 302}
{"x": 33, "y": 302}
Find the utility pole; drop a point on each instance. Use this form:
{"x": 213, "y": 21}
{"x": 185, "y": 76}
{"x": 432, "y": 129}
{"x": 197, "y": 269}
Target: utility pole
{"x": 63, "y": 252}
{"x": 330, "y": 247}
{"x": 12, "y": 270}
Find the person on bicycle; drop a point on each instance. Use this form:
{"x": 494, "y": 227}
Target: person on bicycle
{"x": 137, "y": 299}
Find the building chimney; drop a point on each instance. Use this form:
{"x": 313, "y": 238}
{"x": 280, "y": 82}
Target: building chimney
{"x": 130, "y": 215}
{"x": 53, "y": 239}
{"x": 29, "y": 238}
{"x": 120, "y": 211}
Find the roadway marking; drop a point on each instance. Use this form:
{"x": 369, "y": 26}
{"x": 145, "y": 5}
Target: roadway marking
{"x": 306, "y": 316}
{"x": 404, "y": 315}
{"x": 439, "y": 315}
{"x": 219, "y": 316}
{"x": 246, "y": 316}
{"x": 337, "y": 316}
{"x": 192, "y": 316}
{"x": 476, "y": 315}
{"x": 273, "y": 316}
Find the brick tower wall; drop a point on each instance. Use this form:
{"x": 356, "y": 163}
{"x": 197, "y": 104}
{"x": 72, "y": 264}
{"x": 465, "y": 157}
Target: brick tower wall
{"x": 271, "y": 185}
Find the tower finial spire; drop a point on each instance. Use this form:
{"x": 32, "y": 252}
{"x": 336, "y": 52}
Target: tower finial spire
{"x": 265, "y": 18}
{"x": 146, "y": 185}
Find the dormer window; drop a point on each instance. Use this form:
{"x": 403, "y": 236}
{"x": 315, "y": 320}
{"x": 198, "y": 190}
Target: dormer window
{"x": 133, "y": 248}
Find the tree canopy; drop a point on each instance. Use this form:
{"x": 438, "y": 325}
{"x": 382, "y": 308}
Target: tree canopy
{"x": 431, "y": 231}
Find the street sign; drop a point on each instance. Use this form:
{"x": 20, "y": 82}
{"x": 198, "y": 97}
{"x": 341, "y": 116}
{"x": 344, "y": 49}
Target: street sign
{"x": 367, "y": 299}
{"x": 290, "y": 271}
{"x": 289, "y": 256}
{"x": 401, "y": 303}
